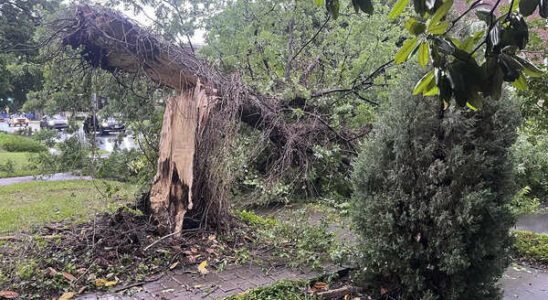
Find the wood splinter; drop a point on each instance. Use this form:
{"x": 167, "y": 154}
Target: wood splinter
{"x": 171, "y": 192}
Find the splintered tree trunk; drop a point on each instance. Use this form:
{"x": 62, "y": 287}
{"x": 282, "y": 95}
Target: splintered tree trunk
{"x": 171, "y": 195}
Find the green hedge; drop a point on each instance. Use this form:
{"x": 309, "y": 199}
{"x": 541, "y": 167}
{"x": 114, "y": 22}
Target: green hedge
{"x": 532, "y": 246}
{"x": 14, "y": 143}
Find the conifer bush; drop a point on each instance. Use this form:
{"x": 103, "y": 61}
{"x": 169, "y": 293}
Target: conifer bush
{"x": 432, "y": 195}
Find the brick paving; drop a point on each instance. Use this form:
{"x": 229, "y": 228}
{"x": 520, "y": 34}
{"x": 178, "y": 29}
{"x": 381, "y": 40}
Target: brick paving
{"x": 235, "y": 279}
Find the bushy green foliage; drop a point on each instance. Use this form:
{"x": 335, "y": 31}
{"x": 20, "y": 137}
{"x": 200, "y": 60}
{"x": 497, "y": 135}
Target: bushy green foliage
{"x": 531, "y": 162}
{"x": 532, "y": 246}
{"x": 13, "y": 143}
{"x": 432, "y": 195}
{"x": 46, "y": 136}
{"x": 524, "y": 203}
{"x": 283, "y": 289}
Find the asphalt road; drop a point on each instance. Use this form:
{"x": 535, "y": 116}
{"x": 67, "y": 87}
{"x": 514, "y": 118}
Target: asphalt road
{"x": 104, "y": 142}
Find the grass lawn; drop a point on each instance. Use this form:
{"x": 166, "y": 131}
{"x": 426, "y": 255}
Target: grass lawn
{"x": 15, "y": 143}
{"x": 25, "y": 205}
{"x": 19, "y": 162}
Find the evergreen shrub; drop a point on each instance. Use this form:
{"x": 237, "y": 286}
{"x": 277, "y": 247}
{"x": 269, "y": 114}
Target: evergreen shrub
{"x": 432, "y": 198}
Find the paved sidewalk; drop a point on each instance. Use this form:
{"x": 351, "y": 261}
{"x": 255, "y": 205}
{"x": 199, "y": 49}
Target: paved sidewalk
{"x": 54, "y": 177}
{"x": 181, "y": 285}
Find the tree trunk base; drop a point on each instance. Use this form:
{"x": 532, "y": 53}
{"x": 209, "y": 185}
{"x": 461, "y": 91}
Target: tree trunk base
{"x": 171, "y": 195}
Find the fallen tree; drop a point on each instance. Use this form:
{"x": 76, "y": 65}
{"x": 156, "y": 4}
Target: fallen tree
{"x": 191, "y": 181}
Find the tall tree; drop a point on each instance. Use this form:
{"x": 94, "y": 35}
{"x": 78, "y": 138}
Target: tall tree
{"x": 18, "y": 50}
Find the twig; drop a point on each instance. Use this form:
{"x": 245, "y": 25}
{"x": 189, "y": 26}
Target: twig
{"x": 160, "y": 239}
{"x": 463, "y": 14}
{"x": 213, "y": 289}
{"x": 337, "y": 293}
{"x": 313, "y": 38}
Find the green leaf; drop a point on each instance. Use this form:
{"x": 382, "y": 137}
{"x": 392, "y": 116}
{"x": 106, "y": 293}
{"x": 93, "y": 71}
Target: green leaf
{"x": 475, "y": 101}
{"x": 469, "y": 42}
{"x": 366, "y": 6}
{"x": 318, "y": 2}
{"x": 520, "y": 83}
{"x": 414, "y": 27}
{"x": 543, "y": 8}
{"x": 529, "y": 68}
{"x": 432, "y": 92}
{"x": 398, "y": 9}
{"x": 441, "y": 12}
{"x": 438, "y": 28}
{"x": 332, "y": 7}
{"x": 424, "y": 54}
{"x": 406, "y": 50}
{"x": 420, "y": 7}
{"x": 527, "y": 7}
{"x": 424, "y": 82}
{"x": 511, "y": 68}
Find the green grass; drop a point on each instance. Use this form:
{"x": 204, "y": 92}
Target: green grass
{"x": 532, "y": 246}
{"x": 13, "y": 164}
{"x": 15, "y": 143}
{"x": 25, "y": 205}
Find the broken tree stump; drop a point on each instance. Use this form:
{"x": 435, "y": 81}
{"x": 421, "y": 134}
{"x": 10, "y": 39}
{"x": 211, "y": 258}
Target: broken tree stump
{"x": 171, "y": 195}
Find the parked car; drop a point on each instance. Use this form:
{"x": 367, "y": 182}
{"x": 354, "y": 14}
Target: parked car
{"x": 3, "y": 117}
{"x": 103, "y": 125}
{"x": 55, "y": 122}
{"x": 18, "y": 120}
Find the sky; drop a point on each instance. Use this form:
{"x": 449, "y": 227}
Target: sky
{"x": 144, "y": 18}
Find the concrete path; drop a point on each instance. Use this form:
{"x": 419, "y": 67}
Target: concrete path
{"x": 536, "y": 223}
{"x": 54, "y": 177}
{"x": 181, "y": 285}
{"x": 520, "y": 283}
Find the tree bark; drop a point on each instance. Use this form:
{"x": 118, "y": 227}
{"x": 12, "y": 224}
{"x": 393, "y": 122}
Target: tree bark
{"x": 171, "y": 192}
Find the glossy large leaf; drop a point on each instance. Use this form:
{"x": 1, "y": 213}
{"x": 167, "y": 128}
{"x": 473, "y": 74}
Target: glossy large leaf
{"x": 425, "y": 81}
{"x": 424, "y": 54}
{"x": 529, "y": 68}
{"x": 543, "y": 8}
{"x": 495, "y": 36}
{"x": 414, "y": 27}
{"x": 527, "y": 7}
{"x": 456, "y": 75}
{"x": 420, "y": 7}
{"x": 475, "y": 101}
{"x": 492, "y": 78}
{"x": 441, "y": 11}
{"x": 444, "y": 45}
{"x": 366, "y": 6}
{"x": 520, "y": 83}
{"x": 517, "y": 33}
{"x": 510, "y": 67}
{"x": 406, "y": 50}
{"x": 438, "y": 28}
{"x": 398, "y": 8}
